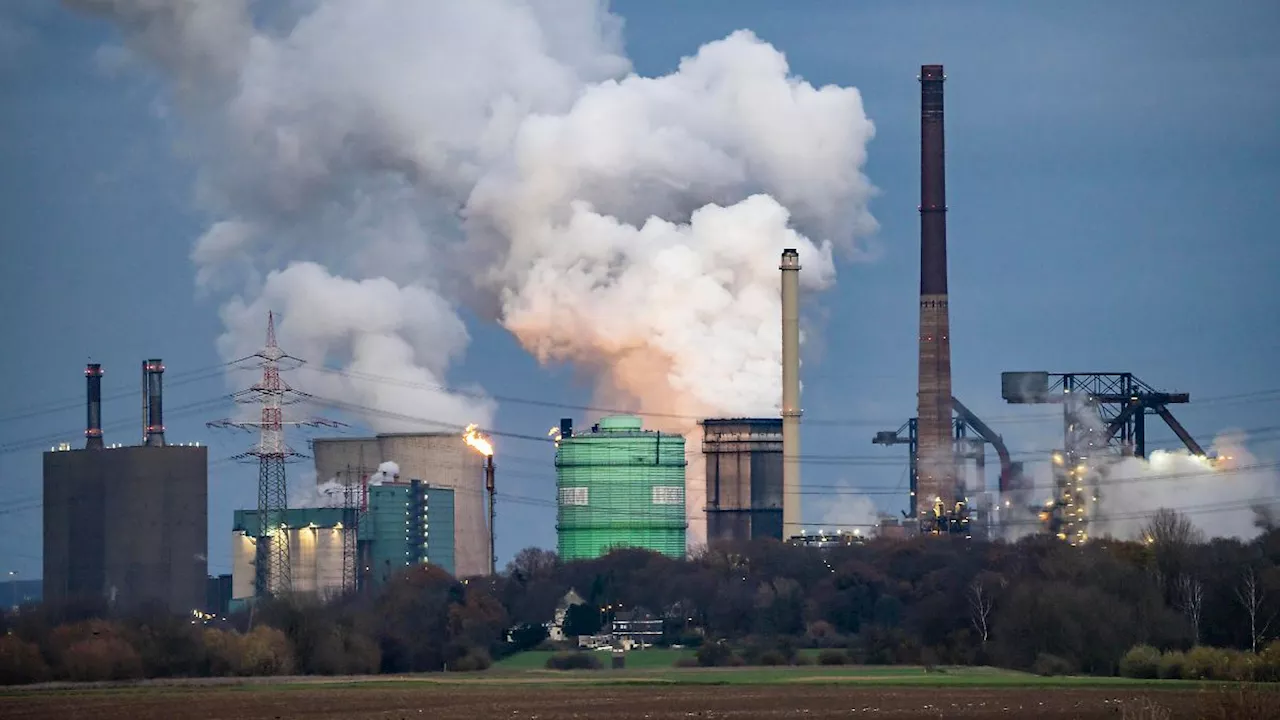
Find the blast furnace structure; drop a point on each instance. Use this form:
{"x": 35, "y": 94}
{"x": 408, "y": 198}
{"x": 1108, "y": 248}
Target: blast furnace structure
{"x": 619, "y": 485}
{"x": 744, "y": 478}
{"x": 127, "y": 525}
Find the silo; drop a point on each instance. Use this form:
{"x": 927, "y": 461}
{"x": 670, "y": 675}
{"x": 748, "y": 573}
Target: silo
{"x": 620, "y": 485}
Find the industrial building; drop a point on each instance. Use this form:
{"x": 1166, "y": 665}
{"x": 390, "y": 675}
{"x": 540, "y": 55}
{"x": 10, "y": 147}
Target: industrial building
{"x": 127, "y": 524}
{"x": 619, "y": 485}
{"x": 438, "y": 460}
{"x": 407, "y": 524}
{"x": 316, "y": 540}
{"x": 335, "y": 549}
{"x": 744, "y": 478}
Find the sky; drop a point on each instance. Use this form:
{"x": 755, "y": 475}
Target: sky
{"x": 1112, "y": 172}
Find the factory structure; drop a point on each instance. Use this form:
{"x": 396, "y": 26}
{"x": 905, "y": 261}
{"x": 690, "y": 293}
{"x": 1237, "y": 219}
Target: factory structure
{"x": 743, "y": 460}
{"x": 619, "y": 485}
{"x": 342, "y": 548}
{"x": 127, "y": 524}
{"x": 1103, "y": 413}
{"x": 375, "y": 523}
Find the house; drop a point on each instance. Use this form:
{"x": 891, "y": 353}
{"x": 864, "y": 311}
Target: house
{"x": 635, "y": 628}
{"x": 555, "y": 628}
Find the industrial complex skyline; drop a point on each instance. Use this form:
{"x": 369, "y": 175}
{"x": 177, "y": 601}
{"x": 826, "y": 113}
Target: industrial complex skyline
{"x": 1107, "y": 211}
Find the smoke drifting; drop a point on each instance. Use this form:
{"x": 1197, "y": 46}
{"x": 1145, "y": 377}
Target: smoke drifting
{"x": 387, "y": 472}
{"x": 376, "y": 165}
{"x": 849, "y": 511}
{"x": 1219, "y": 498}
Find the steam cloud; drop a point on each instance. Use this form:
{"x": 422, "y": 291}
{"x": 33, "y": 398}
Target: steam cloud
{"x": 376, "y": 165}
{"x": 1220, "y": 499}
{"x": 387, "y": 472}
{"x": 1232, "y": 496}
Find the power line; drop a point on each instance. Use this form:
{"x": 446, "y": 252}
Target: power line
{"x": 179, "y": 378}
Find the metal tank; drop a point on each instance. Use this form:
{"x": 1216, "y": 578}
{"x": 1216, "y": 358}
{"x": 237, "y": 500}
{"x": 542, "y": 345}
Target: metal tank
{"x": 620, "y": 485}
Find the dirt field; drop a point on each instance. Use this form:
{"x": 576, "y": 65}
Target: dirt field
{"x": 390, "y": 701}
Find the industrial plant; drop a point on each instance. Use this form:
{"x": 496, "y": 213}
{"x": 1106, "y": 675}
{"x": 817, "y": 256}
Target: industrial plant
{"x": 127, "y": 523}
{"x": 744, "y": 478}
{"x": 1103, "y": 412}
{"x": 619, "y": 485}
{"x": 336, "y": 550}
{"x": 439, "y": 462}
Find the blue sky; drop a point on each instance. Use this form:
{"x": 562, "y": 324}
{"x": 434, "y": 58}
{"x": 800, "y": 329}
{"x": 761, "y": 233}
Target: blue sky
{"x": 1112, "y": 172}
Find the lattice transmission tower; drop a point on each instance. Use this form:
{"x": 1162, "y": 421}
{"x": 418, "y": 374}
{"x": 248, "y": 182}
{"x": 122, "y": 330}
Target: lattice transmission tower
{"x": 272, "y": 572}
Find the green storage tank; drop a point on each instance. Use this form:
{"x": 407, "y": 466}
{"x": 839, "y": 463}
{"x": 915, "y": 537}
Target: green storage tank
{"x": 620, "y": 485}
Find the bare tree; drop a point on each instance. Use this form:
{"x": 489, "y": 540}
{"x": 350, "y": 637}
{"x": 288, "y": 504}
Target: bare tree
{"x": 1170, "y": 528}
{"x": 980, "y": 604}
{"x": 532, "y": 563}
{"x": 1252, "y": 597}
{"x": 1191, "y": 602}
{"x": 1172, "y": 538}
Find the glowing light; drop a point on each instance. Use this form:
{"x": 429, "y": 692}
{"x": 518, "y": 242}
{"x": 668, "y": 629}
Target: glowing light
{"x": 476, "y": 441}
{"x": 1057, "y": 458}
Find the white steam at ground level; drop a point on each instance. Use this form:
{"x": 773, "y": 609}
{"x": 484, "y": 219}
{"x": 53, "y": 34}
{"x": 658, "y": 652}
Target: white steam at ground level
{"x": 374, "y": 166}
{"x": 1228, "y": 493}
{"x": 1220, "y": 497}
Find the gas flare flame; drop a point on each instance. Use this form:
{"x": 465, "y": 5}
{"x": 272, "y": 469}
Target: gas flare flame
{"x": 477, "y": 441}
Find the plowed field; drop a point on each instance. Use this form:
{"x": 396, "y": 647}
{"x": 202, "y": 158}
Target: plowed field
{"x": 412, "y": 700}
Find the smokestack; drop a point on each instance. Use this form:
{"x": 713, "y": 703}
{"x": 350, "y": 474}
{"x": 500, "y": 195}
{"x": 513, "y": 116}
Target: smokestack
{"x": 790, "y": 267}
{"x": 144, "y": 401}
{"x": 935, "y": 457}
{"x": 93, "y": 421}
{"x": 154, "y": 392}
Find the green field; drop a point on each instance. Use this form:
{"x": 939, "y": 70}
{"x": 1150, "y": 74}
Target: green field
{"x": 656, "y": 666}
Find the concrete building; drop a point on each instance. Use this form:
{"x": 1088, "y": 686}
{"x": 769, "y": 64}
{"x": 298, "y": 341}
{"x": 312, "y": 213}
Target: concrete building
{"x": 316, "y": 537}
{"x": 127, "y": 525}
{"x": 440, "y": 460}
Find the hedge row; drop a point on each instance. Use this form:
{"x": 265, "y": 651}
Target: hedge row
{"x": 1203, "y": 663}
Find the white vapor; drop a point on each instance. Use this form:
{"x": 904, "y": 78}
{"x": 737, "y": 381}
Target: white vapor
{"x": 387, "y": 472}
{"x": 311, "y": 495}
{"x": 500, "y": 154}
{"x": 1218, "y": 497}
{"x": 849, "y": 511}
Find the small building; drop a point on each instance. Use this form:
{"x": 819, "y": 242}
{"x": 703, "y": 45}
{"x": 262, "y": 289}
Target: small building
{"x": 555, "y": 628}
{"x": 635, "y": 628}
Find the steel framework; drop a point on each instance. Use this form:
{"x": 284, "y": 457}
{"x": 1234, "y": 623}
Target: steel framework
{"x": 1103, "y": 414}
{"x": 970, "y": 436}
{"x": 272, "y": 573}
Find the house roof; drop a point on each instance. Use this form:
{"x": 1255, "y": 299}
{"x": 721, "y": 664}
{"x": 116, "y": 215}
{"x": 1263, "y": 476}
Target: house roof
{"x": 570, "y": 598}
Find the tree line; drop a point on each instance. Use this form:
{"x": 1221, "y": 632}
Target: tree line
{"x": 1037, "y": 604}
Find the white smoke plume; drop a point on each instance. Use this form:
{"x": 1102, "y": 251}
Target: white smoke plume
{"x": 500, "y": 154}
{"x": 387, "y": 472}
{"x": 849, "y": 511}
{"x": 310, "y": 495}
{"x": 1218, "y": 497}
